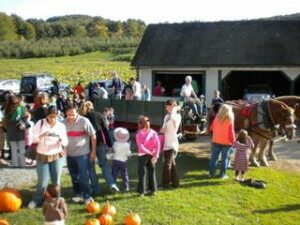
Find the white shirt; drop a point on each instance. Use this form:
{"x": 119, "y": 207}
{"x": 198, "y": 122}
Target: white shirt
{"x": 186, "y": 90}
{"x": 170, "y": 128}
{"x": 136, "y": 87}
{"x": 121, "y": 151}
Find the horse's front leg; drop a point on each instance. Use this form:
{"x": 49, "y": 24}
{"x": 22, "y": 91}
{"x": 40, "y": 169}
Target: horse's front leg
{"x": 271, "y": 153}
{"x": 262, "y": 157}
{"x": 252, "y": 157}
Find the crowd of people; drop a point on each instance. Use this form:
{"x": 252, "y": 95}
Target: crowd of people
{"x": 71, "y": 128}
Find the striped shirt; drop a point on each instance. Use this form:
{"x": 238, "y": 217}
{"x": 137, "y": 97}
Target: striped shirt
{"x": 79, "y": 134}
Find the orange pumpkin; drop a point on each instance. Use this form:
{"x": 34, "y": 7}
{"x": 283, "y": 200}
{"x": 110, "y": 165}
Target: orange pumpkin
{"x": 93, "y": 207}
{"x": 10, "y": 200}
{"x": 105, "y": 219}
{"x": 3, "y": 222}
{"x": 132, "y": 219}
{"x": 92, "y": 222}
{"x": 109, "y": 209}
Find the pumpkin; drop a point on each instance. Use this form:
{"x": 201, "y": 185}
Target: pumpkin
{"x": 132, "y": 219}
{"x": 93, "y": 207}
{"x": 109, "y": 209}
{"x": 3, "y": 222}
{"x": 105, "y": 219}
{"x": 92, "y": 222}
{"x": 10, "y": 200}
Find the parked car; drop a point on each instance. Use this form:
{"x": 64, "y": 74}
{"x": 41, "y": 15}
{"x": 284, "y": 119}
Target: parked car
{"x": 35, "y": 83}
{"x": 7, "y": 86}
{"x": 258, "y": 92}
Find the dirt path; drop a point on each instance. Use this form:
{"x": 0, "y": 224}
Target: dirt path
{"x": 288, "y": 153}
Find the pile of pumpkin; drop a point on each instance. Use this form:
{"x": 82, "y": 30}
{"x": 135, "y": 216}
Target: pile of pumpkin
{"x": 10, "y": 202}
{"x": 107, "y": 213}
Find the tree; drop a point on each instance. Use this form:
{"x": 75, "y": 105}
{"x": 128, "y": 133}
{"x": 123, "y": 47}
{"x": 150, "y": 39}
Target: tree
{"x": 97, "y": 28}
{"x": 7, "y": 28}
{"x": 134, "y": 28}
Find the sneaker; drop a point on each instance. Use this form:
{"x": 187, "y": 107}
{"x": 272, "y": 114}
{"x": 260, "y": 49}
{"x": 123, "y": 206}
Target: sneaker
{"x": 154, "y": 193}
{"x": 224, "y": 177}
{"x": 32, "y": 205}
{"x": 88, "y": 200}
{"x": 113, "y": 188}
{"x": 77, "y": 199}
{"x": 237, "y": 179}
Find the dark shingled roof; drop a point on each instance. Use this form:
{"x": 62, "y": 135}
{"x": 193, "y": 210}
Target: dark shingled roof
{"x": 237, "y": 43}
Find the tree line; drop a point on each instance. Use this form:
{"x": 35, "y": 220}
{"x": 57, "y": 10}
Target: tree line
{"x": 66, "y": 35}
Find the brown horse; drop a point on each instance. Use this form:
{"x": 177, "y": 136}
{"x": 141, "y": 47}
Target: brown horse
{"x": 294, "y": 103}
{"x": 261, "y": 122}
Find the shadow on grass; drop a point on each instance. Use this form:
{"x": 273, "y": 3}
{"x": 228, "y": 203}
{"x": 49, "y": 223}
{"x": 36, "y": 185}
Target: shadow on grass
{"x": 286, "y": 208}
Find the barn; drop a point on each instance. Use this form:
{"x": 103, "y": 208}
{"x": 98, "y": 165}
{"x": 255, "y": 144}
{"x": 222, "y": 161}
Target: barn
{"x": 228, "y": 56}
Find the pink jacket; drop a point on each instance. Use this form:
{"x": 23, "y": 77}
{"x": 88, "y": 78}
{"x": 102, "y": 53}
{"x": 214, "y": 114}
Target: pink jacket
{"x": 223, "y": 133}
{"x": 148, "y": 143}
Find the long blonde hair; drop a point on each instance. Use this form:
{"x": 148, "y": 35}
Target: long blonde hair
{"x": 225, "y": 113}
{"x": 86, "y": 107}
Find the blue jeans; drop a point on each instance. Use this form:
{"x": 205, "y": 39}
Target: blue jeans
{"x": 104, "y": 165}
{"x": 95, "y": 186}
{"x": 44, "y": 171}
{"x": 78, "y": 167}
{"x": 215, "y": 152}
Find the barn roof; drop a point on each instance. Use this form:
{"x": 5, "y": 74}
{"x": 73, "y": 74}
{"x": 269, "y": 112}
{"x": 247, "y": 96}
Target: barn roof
{"x": 235, "y": 43}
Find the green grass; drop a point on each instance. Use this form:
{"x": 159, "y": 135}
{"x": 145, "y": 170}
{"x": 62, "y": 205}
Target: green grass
{"x": 198, "y": 200}
{"x": 69, "y": 69}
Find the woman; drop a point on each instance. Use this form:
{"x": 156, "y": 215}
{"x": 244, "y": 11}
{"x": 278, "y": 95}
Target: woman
{"x": 99, "y": 123}
{"x": 40, "y": 112}
{"x": 148, "y": 149}
{"x": 51, "y": 138}
{"x": 223, "y": 137}
{"x": 13, "y": 112}
{"x": 171, "y": 145}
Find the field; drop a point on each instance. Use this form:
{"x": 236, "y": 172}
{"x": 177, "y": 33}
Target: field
{"x": 199, "y": 200}
{"x": 68, "y": 69}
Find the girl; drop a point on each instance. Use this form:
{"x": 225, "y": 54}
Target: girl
{"x": 54, "y": 206}
{"x": 14, "y": 111}
{"x": 171, "y": 145}
{"x": 148, "y": 149}
{"x": 51, "y": 138}
{"x": 242, "y": 144}
{"x": 121, "y": 149}
{"x": 223, "y": 137}
{"x": 28, "y": 137}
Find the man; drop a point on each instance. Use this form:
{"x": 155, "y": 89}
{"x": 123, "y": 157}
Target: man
{"x": 117, "y": 84}
{"x": 81, "y": 136}
{"x": 136, "y": 88}
{"x": 190, "y": 97}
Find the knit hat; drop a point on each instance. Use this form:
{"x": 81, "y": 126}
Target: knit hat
{"x": 121, "y": 134}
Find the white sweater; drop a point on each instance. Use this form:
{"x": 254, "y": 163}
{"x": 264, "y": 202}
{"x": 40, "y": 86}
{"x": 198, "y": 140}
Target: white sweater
{"x": 121, "y": 151}
{"x": 170, "y": 127}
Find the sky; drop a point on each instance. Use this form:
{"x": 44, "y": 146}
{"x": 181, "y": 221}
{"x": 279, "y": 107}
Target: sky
{"x": 153, "y": 11}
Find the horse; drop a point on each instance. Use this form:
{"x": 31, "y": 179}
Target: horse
{"x": 261, "y": 120}
{"x": 294, "y": 103}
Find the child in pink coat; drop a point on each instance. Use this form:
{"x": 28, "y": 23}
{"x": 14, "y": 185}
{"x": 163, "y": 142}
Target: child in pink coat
{"x": 148, "y": 149}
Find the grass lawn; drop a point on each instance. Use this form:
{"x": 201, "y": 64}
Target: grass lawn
{"x": 68, "y": 69}
{"x": 199, "y": 200}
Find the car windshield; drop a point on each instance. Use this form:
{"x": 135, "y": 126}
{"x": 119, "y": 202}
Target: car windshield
{"x": 28, "y": 82}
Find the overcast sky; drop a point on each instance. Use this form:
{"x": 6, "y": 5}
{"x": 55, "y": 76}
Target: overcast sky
{"x": 153, "y": 11}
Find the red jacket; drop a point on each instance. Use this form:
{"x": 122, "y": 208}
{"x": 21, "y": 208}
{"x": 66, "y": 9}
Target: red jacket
{"x": 223, "y": 133}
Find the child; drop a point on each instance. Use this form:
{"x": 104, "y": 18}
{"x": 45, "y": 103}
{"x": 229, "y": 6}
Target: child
{"x": 28, "y": 137}
{"x": 121, "y": 149}
{"x": 242, "y": 144}
{"x": 148, "y": 146}
{"x": 111, "y": 119}
{"x": 54, "y": 206}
